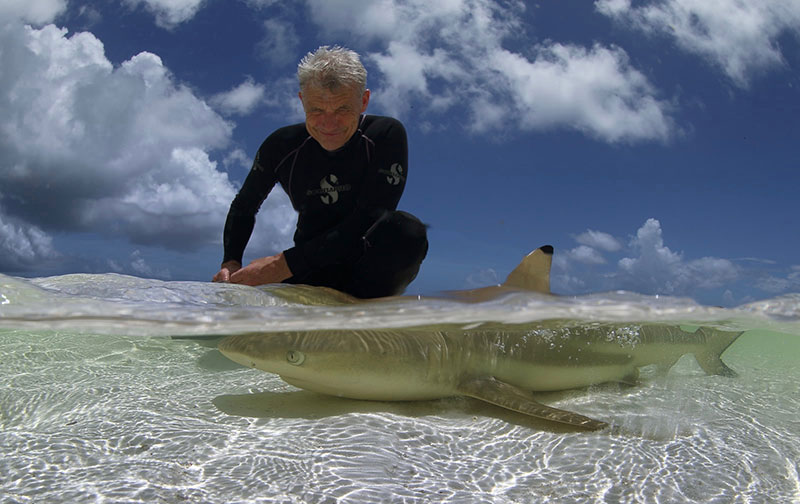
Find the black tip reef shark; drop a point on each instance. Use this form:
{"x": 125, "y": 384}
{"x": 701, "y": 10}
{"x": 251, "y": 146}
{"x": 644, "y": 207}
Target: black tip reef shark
{"x": 502, "y": 367}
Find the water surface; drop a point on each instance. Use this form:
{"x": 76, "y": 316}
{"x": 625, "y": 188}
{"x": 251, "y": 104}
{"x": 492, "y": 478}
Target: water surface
{"x": 100, "y": 404}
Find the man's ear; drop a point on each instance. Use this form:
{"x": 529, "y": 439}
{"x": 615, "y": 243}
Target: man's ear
{"x": 364, "y": 100}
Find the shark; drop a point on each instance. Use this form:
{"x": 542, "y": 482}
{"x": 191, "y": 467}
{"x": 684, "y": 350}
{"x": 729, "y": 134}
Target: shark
{"x": 505, "y": 365}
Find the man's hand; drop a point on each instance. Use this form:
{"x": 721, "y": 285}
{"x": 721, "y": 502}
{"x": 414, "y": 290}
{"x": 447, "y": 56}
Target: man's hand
{"x": 226, "y": 270}
{"x": 272, "y": 269}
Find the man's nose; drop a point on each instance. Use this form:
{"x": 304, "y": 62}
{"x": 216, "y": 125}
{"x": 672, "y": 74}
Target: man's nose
{"x": 329, "y": 119}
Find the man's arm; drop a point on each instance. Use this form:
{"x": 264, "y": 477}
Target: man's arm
{"x": 241, "y": 217}
{"x": 265, "y": 270}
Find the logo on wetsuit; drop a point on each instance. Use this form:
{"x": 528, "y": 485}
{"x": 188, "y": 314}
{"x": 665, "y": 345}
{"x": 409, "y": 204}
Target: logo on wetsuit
{"x": 328, "y": 190}
{"x": 394, "y": 175}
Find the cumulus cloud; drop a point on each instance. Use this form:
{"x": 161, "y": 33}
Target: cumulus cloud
{"x": 739, "y": 37}
{"x": 242, "y": 99}
{"x": 452, "y": 55}
{"x": 778, "y": 284}
{"x": 481, "y": 278}
{"x": 121, "y": 151}
{"x": 280, "y": 43}
{"x": 275, "y": 226}
{"x": 23, "y": 246}
{"x": 599, "y": 240}
{"x": 36, "y": 12}
{"x": 136, "y": 264}
{"x": 237, "y": 157}
{"x": 169, "y": 13}
{"x": 281, "y": 98}
{"x": 595, "y": 91}
{"x": 178, "y": 205}
{"x": 648, "y": 266}
{"x": 140, "y": 266}
{"x": 656, "y": 269}
{"x": 586, "y": 255}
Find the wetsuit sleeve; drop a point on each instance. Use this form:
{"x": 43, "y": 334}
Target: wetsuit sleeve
{"x": 242, "y": 214}
{"x": 381, "y": 192}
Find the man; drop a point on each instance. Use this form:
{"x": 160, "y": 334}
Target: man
{"x": 344, "y": 172}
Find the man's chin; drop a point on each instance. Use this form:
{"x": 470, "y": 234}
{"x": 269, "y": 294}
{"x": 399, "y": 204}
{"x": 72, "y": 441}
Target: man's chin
{"x": 332, "y": 145}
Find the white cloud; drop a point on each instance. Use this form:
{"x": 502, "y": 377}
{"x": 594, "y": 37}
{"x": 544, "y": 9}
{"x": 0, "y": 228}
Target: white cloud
{"x": 120, "y": 151}
{"x": 776, "y": 285}
{"x": 654, "y": 257}
{"x": 242, "y": 99}
{"x": 139, "y": 266}
{"x": 169, "y": 13}
{"x": 180, "y": 205}
{"x": 37, "y": 12}
{"x": 23, "y": 246}
{"x": 648, "y": 266}
{"x": 586, "y": 255}
{"x": 136, "y": 264}
{"x": 406, "y": 73}
{"x": 452, "y": 54}
{"x": 566, "y": 283}
{"x": 658, "y": 270}
{"x": 595, "y": 91}
{"x": 740, "y": 37}
{"x": 481, "y": 279}
{"x": 237, "y": 157}
{"x": 376, "y": 19}
{"x": 281, "y": 97}
{"x": 280, "y": 43}
{"x": 275, "y": 226}
{"x": 599, "y": 240}
{"x": 89, "y": 15}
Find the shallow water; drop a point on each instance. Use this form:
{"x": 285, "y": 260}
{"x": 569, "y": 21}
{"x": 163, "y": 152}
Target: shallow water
{"x": 100, "y": 405}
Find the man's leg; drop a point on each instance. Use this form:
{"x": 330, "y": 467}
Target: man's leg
{"x": 394, "y": 248}
{"x": 334, "y": 276}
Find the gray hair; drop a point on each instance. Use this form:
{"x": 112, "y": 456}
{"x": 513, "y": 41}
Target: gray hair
{"x": 332, "y": 68}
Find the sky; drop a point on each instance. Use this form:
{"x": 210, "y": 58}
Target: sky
{"x": 652, "y": 143}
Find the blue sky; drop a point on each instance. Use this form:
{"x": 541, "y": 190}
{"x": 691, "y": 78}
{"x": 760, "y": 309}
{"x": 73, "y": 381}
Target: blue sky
{"x": 652, "y": 143}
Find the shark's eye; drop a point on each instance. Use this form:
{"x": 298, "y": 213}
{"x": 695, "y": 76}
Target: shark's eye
{"x": 295, "y": 357}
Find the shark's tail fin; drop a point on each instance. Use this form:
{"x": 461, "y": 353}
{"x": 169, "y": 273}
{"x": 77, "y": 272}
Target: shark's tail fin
{"x": 533, "y": 273}
{"x": 717, "y": 342}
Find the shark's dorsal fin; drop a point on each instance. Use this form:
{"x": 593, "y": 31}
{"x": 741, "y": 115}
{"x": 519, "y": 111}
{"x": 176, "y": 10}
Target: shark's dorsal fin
{"x": 533, "y": 273}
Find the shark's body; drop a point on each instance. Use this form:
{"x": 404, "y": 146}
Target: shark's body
{"x": 501, "y": 366}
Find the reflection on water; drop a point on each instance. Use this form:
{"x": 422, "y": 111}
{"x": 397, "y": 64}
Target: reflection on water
{"x": 111, "y": 414}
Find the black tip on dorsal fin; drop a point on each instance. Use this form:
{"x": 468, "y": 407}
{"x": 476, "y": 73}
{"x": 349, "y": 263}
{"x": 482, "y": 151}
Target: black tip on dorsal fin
{"x": 547, "y": 249}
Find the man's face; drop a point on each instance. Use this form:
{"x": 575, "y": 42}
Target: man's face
{"x": 332, "y": 116}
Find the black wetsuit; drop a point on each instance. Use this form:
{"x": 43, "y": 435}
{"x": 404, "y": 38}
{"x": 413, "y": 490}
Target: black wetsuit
{"x": 349, "y": 235}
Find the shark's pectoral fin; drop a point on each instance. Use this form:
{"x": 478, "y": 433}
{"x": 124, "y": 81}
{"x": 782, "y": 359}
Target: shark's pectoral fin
{"x": 508, "y": 396}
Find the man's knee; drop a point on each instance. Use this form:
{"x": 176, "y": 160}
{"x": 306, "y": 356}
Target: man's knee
{"x": 399, "y": 229}
{"x": 394, "y": 249}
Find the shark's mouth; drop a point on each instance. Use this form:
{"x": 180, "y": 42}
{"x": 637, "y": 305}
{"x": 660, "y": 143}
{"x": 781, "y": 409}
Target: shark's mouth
{"x": 329, "y": 387}
{"x": 298, "y": 382}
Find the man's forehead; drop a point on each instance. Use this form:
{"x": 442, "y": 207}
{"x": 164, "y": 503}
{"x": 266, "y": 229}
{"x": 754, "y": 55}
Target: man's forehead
{"x": 340, "y": 93}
